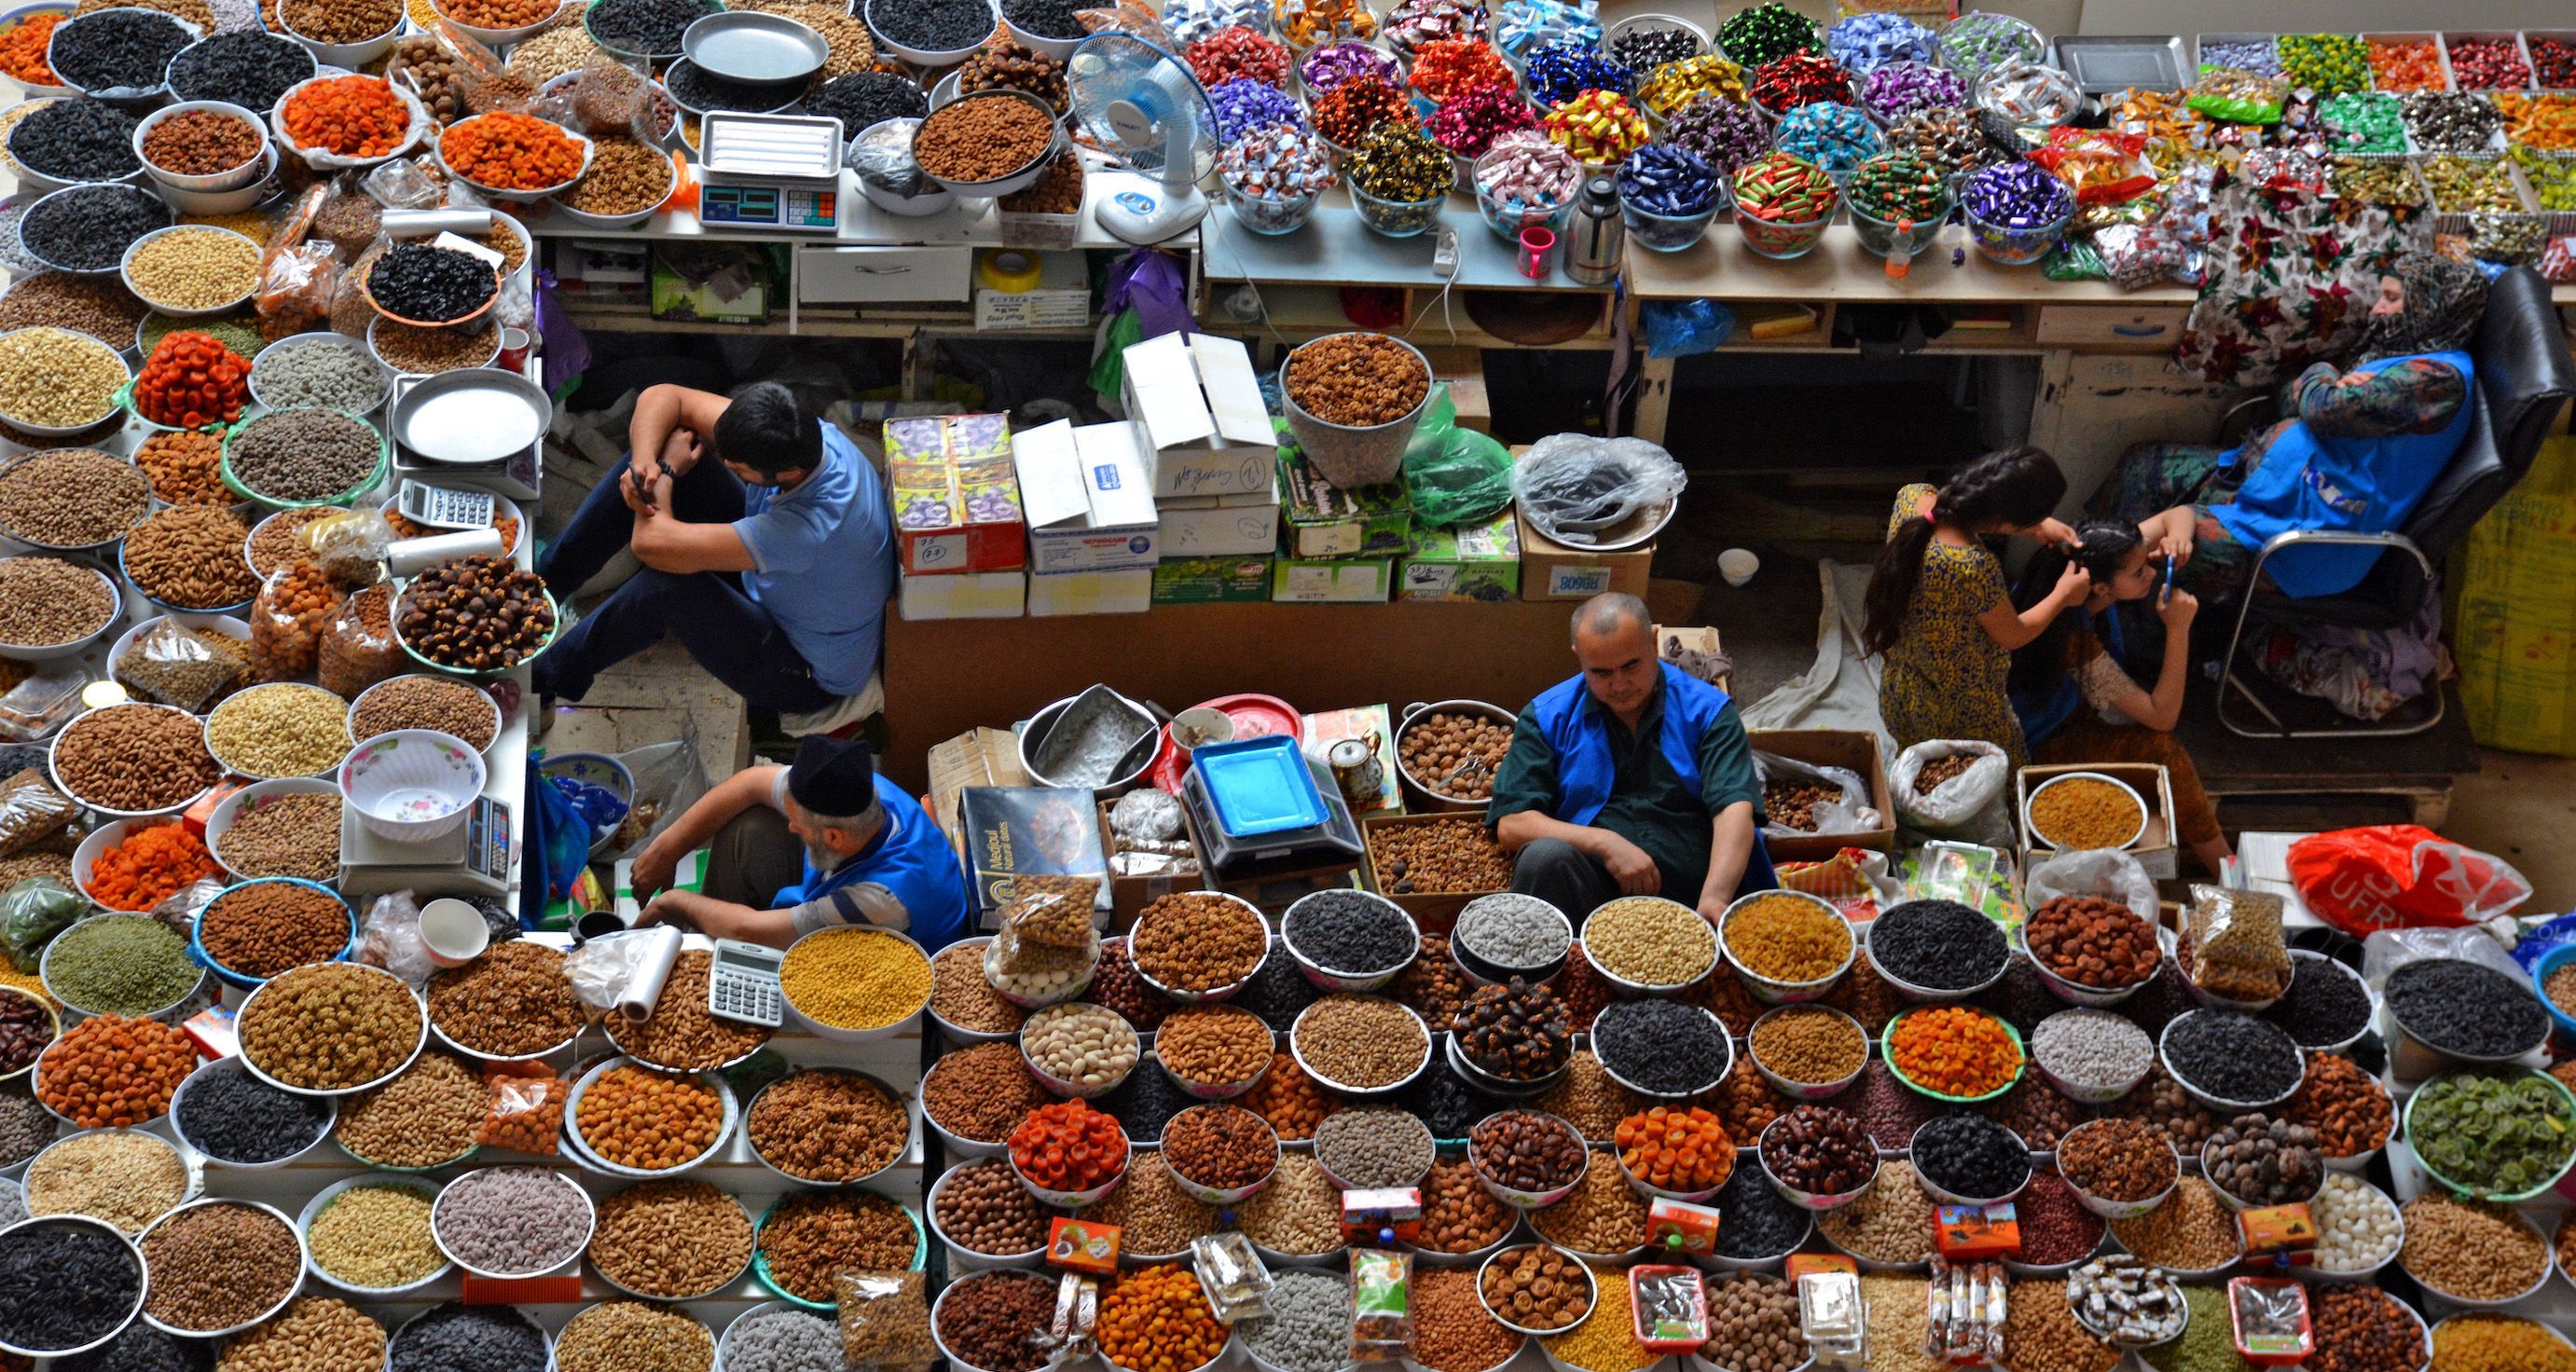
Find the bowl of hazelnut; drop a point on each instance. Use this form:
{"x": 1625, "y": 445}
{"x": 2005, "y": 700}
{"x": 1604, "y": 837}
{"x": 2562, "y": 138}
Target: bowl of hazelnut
{"x": 1448, "y": 751}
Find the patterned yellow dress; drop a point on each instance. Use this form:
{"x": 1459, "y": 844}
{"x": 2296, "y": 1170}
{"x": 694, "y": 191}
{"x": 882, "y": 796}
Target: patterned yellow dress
{"x": 1945, "y": 676}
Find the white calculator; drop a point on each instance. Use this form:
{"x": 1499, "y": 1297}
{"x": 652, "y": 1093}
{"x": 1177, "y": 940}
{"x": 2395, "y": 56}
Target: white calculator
{"x": 744, "y": 983}
{"x": 445, "y": 508}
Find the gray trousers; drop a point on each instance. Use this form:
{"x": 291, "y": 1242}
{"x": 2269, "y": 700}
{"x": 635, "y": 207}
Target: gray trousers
{"x": 753, "y": 857}
{"x": 1564, "y": 876}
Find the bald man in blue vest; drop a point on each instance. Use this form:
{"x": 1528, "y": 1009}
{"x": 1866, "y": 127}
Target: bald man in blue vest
{"x": 1631, "y": 779}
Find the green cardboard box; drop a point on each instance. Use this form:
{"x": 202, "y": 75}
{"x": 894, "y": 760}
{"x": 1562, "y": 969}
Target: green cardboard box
{"x": 1211, "y": 580}
{"x": 1324, "y": 521}
{"x": 1332, "y": 580}
{"x": 1475, "y": 562}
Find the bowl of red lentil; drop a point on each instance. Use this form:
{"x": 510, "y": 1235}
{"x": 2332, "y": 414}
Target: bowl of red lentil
{"x": 1986, "y": 1024}
{"x": 2090, "y": 801}
{"x": 1770, "y": 960}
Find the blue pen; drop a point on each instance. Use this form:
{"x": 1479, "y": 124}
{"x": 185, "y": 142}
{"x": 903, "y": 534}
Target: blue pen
{"x": 2167, "y": 593}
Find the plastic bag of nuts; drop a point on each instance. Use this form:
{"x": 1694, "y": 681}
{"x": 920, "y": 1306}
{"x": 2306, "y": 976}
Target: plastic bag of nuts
{"x": 527, "y": 1107}
{"x": 885, "y": 1321}
{"x": 286, "y": 621}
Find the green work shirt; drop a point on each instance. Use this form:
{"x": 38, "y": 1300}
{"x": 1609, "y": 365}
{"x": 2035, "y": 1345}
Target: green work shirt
{"x": 1648, "y": 805}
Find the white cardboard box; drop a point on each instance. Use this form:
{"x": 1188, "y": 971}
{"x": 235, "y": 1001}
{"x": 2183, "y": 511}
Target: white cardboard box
{"x": 1244, "y": 525}
{"x": 962, "y": 595}
{"x": 1354, "y": 581}
{"x": 1200, "y": 405}
{"x": 1086, "y": 494}
{"x": 1127, "y": 591}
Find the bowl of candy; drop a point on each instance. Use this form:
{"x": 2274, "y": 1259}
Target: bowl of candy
{"x": 1525, "y": 182}
{"x": 2016, "y": 212}
{"x": 1783, "y": 205}
{"x": 1668, "y": 196}
{"x": 1899, "y": 201}
{"x": 1271, "y": 177}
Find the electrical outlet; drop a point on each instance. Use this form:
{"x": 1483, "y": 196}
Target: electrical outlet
{"x": 1444, "y": 253}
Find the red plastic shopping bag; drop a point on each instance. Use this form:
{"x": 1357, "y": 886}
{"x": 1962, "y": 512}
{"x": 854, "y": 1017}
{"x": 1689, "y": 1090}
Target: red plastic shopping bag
{"x": 2395, "y": 876}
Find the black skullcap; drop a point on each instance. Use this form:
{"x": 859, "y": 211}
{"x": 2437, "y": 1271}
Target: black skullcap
{"x": 833, "y": 776}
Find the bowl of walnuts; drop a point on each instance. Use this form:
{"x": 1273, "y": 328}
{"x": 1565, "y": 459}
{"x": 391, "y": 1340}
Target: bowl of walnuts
{"x": 1448, "y": 751}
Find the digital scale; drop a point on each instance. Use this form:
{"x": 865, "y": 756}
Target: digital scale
{"x": 780, "y": 172}
{"x": 743, "y": 983}
{"x": 472, "y": 859}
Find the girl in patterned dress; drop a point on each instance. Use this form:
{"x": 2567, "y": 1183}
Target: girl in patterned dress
{"x": 1937, "y": 612}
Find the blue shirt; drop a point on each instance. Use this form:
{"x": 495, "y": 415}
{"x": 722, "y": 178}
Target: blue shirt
{"x": 906, "y": 879}
{"x": 822, "y": 557}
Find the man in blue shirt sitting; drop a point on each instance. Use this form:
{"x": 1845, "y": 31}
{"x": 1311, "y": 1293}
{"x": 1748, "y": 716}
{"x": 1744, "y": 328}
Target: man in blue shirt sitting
{"x": 1631, "y": 779}
{"x": 869, "y": 855}
{"x": 771, "y": 562}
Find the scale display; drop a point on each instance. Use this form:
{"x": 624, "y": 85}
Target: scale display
{"x": 810, "y": 209}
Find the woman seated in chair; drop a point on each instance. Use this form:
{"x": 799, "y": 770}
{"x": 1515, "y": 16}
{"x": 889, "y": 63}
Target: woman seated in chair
{"x": 2356, "y": 451}
{"x": 2072, "y": 687}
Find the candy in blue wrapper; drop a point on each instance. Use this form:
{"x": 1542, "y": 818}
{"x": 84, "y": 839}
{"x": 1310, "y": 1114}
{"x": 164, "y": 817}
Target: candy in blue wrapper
{"x": 1561, "y": 71}
{"x": 1522, "y": 27}
{"x": 1834, "y": 137}
{"x": 1662, "y": 179}
{"x": 1866, "y": 42}
{"x": 1243, "y": 105}
{"x": 2020, "y": 195}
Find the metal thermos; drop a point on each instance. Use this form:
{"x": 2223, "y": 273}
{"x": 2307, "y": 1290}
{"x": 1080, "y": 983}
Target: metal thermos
{"x": 1595, "y": 239}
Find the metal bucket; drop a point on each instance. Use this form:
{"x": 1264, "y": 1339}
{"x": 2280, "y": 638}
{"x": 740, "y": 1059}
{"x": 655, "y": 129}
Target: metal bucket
{"x": 1351, "y": 457}
{"x": 1033, "y": 742}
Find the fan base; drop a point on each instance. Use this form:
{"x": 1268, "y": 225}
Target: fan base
{"x": 1142, "y": 210}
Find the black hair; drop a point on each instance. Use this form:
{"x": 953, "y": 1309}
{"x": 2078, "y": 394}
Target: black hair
{"x": 2013, "y": 486}
{"x": 764, "y": 429}
{"x": 2101, "y": 546}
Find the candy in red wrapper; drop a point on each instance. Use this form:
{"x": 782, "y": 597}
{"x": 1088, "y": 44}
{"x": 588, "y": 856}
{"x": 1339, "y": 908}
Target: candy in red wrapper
{"x": 2099, "y": 166}
{"x": 1237, "y": 53}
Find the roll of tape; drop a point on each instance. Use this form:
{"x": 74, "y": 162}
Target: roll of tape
{"x": 1008, "y": 271}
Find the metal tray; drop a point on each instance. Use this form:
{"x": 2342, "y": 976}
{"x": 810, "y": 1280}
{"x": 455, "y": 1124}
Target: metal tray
{"x": 771, "y": 145}
{"x": 436, "y": 417}
{"x": 2110, "y": 63}
{"x": 749, "y": 45}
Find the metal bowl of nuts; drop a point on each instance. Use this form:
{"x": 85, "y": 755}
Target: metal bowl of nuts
{"x": 1448, "y": 751}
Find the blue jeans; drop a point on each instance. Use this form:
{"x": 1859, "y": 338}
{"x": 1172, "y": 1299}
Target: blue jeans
{"x": 728, "y": 632}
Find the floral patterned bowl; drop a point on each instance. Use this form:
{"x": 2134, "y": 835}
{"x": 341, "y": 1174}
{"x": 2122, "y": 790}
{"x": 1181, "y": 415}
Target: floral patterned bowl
{"x": 411, "y": 784}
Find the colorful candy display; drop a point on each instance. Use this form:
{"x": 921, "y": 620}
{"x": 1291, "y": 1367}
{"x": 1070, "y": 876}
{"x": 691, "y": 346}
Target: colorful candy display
{"x": 1522, "y": 27}
{"x": 2327, "y": 63}
{"x": 1444, "y": 67}
{"x": 1675, "y": 84}
{"x": 1346, "y": 113}
{"x": 1725, "y": 134}
{"x": 1334, "y": 63}
{"x": 1597, "y": 127}
{"x": 1766, "y": 31}
{"x": 1662, "y": 179}
{"x": 1897, "y": 186}
{"x": 1898, "y": 89}
{"x": 1243, "y": 105}
{"x": 1237, "y": 53}
{"x": 1835, "y": 137}
{"x": 2365, "y": 122}
{"x": 1561, "y": 71}
{"x": 1801, "y": 78}
{"x": 1866, "y": 42}
{"x": 1780, "y": 189}
{"x": 2017, "y": 195}
{"x": 1468, "y": 123}
{"x": 1416, "y": 24}
{"x": 1979, "y": 41}
{"x": 2405, "y": 65}
{"x": 1523, "y": 172}
{"x": 2488, "y": 64}
{"x": 2028, "y": 93}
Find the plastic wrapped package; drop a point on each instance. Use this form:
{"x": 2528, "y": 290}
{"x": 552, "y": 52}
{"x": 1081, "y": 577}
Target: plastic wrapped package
{"x": 882, "y": 156}
{"x": 286, "y": 621}
{"x": 358, "y": 647}
{"x": 1456, "y": 476}
{"x": 2234, "y": 943}
{"x": 2101, "y": 167}
{"x": 173, "y": 664}
{"x": 1128, "y": 17}
{"x": 2386, "y": 875}
{"x": 406, "y": 183}
{"x": 31, "y": 912}
{"x": 1573, "y": 487}
{"x": 30, "y": 809}
{"x": 669, "y": 778}
{"x": 1849, "y": 812}
{"x": 180, "y": 908}
{"x": 1057, "y": 920}
{"x": 297, "y": 279}
{"x": 1684, "y": 328}
{"x": 885, "y": 1319}
{"x": 389, "y": 937}
{"x": 350, "y": 547}
{"x": 1381, "y": 1304}
{"x": 1962, "y": 802}
{"x": 2239, "y": 97}
{"x": 526, "y": 1109}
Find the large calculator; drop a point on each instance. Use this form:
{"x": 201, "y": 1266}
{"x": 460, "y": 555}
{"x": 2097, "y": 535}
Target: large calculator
{"x": 441, "y": 507}
{"x": 743, "y": 984}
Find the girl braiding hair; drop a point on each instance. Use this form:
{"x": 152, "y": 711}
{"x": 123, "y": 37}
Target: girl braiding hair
{"x": 2102, "y": 548}
{"x": 2001, "y": 492}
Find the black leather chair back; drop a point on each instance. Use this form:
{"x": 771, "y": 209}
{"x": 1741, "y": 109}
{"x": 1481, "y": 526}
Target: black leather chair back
{"x": 2526, "y": 379}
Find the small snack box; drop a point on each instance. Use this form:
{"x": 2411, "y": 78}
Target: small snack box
{"x": 1810, "y": 1264}
{"x": 1083, "y": 1246}
{"x": 1669, "y": 1306}
{"x": 2280, "y": 1235}
{"x": 1966, "y": 1233}
{"x": 1677, "y": 1226}
{"x": 1369, "y": 1216}
{"x": 1831, "y": 1315}
{"x": 2270, "y": 1319}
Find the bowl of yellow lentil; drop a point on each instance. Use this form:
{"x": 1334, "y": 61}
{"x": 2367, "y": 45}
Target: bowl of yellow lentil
{"x": 854, "y": 984}
{"x": 2084, "y": 810}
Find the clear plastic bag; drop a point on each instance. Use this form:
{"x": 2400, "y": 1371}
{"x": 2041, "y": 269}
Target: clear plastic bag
{"x": 1848, "y": 813}
{"x": 2104, "y": 872}
{"x": 885, "y": 1319}
{"x": 600, "y": 969}
{"x": 31, "y": 913}
{"x": 406, "y": 183}
{"x": 2233, "y": 944}
{"x": 286, "y": 621}
{"x": 1968, "y": 804}
{"x": 1575, "y": 487}
{"x": 1381, "y": 1304}
{"x": 358, "y": 644}
{"x": 1055, "y": 919}
{"x": 1129, "y": 17}
{"x": 172, "y": 665}
{"x": 526, "y": 1108}
{"x": 180, "y": 908}
{"x": 1455, "y": 476}
{"x": 389, "y": 937}
{"x": 669, "y": 778}
{"x": 30, "y": 809}
{"x": 2389, "y": 949}
{"x": 297, "y": 279}
{"x": 350, "y": 547}
{"x": 882, "y": 156}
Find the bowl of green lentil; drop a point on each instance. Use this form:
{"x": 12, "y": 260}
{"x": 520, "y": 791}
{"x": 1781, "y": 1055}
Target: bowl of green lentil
{"x": 121, "y": 964}
{"x": 377, "y": 1236}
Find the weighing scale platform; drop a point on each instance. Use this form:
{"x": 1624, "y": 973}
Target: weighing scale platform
{"x": 1338, "y": 834}
{"x": 472, "y": 859}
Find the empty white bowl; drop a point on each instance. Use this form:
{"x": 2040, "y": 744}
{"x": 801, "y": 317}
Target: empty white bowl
{"x": 411, "y": 784}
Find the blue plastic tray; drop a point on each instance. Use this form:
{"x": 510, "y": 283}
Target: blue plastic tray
{"x": 1259, "y": 786}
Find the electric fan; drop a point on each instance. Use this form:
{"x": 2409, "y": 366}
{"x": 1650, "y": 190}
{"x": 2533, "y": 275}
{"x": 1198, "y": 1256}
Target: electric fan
{"x": 1142, "y": 103}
